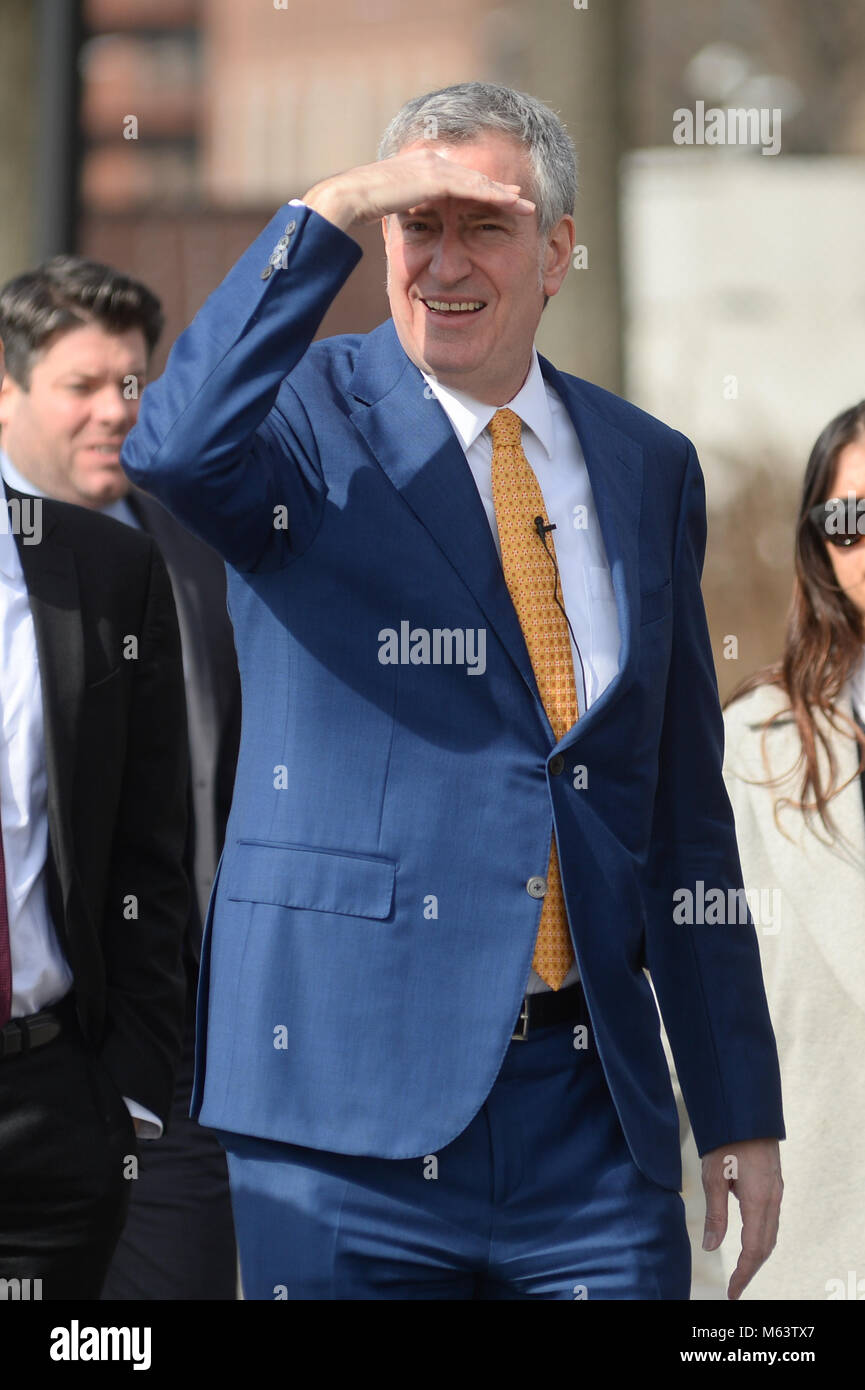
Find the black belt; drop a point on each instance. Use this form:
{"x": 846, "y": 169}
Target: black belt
{"x": 548, "y": 1007}
{"x": 34, "y": 1030}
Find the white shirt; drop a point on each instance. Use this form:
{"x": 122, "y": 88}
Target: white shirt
{"x": 552, "y": 447}
{"x": 40, "y": 972}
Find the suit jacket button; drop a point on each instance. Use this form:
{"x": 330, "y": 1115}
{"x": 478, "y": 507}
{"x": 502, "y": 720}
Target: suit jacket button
{"x": 282, "y": 243}
{"x": 557, "y": 764}
{"x": 290, "y": 226}
{"x": 267, "y": 272}
{"x": 536, "y": 887}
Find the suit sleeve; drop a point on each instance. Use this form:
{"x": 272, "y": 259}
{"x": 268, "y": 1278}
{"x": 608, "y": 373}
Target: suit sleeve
{"x": 210, "y": 442}
{"x": 706, "y": 974}
{"x": 148, "y": 891}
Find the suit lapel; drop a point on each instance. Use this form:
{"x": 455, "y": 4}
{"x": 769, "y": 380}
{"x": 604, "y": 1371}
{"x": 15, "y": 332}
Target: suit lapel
{"x": 836, "y": 926}
{"x": 150, "y": 517}
{"x": 614, "y": 463}
{"x": 824, "y": 881}
{"x": 51, "y": 577}
{"x": 845, "y": 808}
{"x": 413, "y": 441}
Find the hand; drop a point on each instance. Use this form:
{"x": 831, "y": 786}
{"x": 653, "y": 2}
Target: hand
{"x": 371, "y": 191}
{"x": 752, "y": 1170}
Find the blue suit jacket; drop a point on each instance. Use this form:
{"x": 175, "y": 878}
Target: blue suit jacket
{"x": 370, "y": 932}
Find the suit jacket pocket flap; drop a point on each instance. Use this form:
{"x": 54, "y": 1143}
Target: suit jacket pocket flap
{"x": 323, "y": 880}
{"x": 656, "y": 604}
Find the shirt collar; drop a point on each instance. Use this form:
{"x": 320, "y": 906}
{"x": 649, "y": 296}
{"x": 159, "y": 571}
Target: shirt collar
{"x": 16, "y": 479}
{"x": 470, "y": 417}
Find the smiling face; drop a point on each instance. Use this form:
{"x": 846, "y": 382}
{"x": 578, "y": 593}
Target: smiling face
{"x": 848, "y": 562}
{"x": 466, "y": 281}
{"x": 64, "y": 433}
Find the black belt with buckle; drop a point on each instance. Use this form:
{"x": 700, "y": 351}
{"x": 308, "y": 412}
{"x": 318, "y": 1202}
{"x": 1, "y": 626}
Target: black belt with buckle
{"x": 551, "y": 1006}
{"x": 32, "y": 1031}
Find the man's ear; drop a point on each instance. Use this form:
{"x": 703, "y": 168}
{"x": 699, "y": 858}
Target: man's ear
{"x": 8, "y": 388}
{"x": 557, "y": 255}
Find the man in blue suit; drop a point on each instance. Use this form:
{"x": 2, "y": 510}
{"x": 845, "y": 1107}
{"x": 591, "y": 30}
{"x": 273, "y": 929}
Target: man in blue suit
{"x": 480, "y": 764}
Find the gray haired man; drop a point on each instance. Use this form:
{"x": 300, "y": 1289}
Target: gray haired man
{"x": 431, "y": 1051}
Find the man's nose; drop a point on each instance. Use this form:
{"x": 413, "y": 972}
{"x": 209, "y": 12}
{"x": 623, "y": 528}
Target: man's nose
{"x": 112, "y": 408}
{"x": 450, "y": 261}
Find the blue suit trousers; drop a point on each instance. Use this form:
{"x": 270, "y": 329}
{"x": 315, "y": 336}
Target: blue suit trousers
{"x": 538, "y": 1198}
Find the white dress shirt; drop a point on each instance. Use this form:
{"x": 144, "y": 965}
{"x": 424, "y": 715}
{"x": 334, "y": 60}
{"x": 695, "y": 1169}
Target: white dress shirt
{"x": 552, "y": 447}
{"x": 40, "y": 972}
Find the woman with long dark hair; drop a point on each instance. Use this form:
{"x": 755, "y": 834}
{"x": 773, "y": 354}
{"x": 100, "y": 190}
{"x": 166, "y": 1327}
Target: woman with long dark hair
{"x": 825, "y": 633}
{"x": 795, "y": 772}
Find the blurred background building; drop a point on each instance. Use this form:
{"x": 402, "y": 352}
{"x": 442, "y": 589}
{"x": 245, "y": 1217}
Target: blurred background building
{"x": 720, "y": 288}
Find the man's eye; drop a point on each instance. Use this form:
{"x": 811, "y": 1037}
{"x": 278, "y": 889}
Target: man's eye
{"x": 415, "y": 226}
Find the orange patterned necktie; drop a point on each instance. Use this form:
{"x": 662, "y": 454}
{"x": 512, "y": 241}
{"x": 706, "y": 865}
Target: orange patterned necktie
{"x": 530, "y": 577}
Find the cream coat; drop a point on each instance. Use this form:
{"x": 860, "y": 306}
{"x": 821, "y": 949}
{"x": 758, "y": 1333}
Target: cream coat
{"x": 813, "y": 957}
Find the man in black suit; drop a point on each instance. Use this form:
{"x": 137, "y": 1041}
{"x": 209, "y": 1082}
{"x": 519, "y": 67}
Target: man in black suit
{"x": 79, "y": 339}
{"x": 93, "y": 893}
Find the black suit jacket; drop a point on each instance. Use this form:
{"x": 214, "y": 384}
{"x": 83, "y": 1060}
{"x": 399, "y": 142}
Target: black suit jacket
{"x": 116, "y": 759}
{"x": 212, "y": 692}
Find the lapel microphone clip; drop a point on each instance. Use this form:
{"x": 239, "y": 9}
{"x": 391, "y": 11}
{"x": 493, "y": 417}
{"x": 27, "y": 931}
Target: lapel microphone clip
{"x": 542, "y": 530}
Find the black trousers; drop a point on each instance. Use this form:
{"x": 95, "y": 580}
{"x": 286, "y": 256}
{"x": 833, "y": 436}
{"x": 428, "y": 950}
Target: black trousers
{"x": 178, "y": 1240}
{"x": 67, "y": 1144}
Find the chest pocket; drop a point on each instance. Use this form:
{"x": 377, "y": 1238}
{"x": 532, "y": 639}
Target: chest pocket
{"x": 656, "y": 604}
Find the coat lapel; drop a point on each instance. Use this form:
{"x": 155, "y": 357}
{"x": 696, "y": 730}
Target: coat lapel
{"x": 52, "y": 582}
{"x": 414, "y": 443}
{"x": 822, "y": 880}
{"x": 412, "y": 440}
{"x": 614, "y": 463}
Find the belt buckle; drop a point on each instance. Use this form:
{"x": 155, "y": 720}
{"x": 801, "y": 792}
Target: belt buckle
{"x": 520, "y": 1034}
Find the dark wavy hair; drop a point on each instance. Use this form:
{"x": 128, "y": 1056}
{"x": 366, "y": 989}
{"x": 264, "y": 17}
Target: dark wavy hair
{"x": 67, "y": 292}
{"x": 824, "y": 635}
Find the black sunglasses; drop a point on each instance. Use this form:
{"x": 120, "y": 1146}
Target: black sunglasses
{"x": 840, "y": 521}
